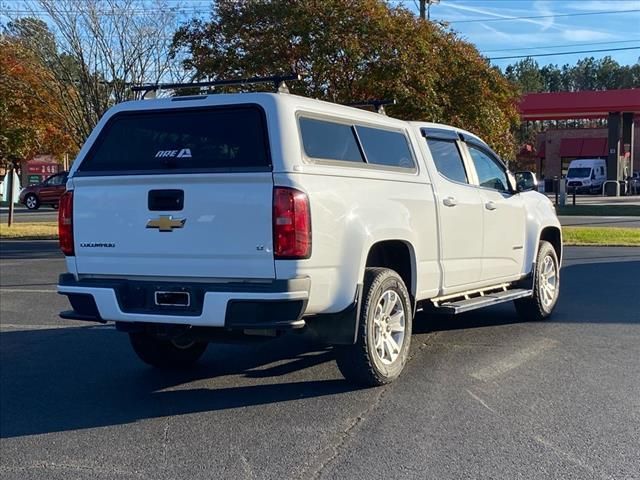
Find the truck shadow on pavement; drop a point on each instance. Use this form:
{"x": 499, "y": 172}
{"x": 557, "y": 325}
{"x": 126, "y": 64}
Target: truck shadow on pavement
{"x": 589, "y": 293}
{"x": 74, "y": 378}
{"x": 67, "y": 379}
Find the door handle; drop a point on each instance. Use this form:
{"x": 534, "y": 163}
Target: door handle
{"x": 490, "y": 206}
{"x": 450, "y": 201}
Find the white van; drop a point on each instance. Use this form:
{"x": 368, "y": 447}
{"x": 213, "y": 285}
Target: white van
{"x": 587, "y": 175}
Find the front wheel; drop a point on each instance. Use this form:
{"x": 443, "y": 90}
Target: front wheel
{"x": 546, "y": 286}
{"x": 384, "y": 331}
{"x": 166, "y": 353}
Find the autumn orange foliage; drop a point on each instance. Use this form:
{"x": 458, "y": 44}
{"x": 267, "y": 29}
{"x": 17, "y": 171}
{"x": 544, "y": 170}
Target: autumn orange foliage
{"x": 31, "y": 122}
{"x": 354, "y": 50}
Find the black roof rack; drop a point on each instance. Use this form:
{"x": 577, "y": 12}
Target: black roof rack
{"x": 378, "y": 105}
{"x": 278, "y": 82}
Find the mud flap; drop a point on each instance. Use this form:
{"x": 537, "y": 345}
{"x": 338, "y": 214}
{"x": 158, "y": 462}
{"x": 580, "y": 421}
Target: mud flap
{"x": 338, "y": 328}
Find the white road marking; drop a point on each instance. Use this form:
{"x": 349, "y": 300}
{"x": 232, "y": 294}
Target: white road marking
{"x": 482, "y": 402}
{"x": 513, "y": 360}
{"x": 568, "y": 456}
{"x": 11, "y": 327}
{"x": 27, "y": 290}
{"x": 6, "y": 262}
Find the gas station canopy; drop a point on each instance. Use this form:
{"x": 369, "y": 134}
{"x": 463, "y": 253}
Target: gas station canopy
{"x": 586, "y": 104}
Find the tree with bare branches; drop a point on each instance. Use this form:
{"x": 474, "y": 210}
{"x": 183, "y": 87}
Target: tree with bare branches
{"x": 95, "y": 50}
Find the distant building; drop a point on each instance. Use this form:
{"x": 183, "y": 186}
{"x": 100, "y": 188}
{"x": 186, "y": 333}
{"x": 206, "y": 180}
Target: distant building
{"x": 556, "y": 147}
{"x": 588, "y": 124}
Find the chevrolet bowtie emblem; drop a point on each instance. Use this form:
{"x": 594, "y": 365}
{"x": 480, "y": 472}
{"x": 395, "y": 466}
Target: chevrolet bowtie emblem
{"x": 166, "y": 223}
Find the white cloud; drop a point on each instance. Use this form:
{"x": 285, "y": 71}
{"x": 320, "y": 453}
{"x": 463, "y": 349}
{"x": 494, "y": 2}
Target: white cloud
{"x": 599, "y": 6}
{"x": 585, "y": 35}
{"x": 497, "y": 37}
{"x": 483, "y": 11}
{"x": 542, "y": 8}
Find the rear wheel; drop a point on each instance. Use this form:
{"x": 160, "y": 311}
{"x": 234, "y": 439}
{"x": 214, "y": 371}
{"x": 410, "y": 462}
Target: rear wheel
{"x": 166, "y": 353}
{"x": 32, "y": 202}
{"x": 546, "y": 286}
{"x": 384, "y": 331}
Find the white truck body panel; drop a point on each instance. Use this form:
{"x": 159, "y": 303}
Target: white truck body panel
{"x": 228, "y": 233}
{"x": 227, "y": 217}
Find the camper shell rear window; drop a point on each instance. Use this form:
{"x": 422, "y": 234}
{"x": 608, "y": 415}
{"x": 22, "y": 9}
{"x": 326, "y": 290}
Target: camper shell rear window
{"x": 183, "y": 140}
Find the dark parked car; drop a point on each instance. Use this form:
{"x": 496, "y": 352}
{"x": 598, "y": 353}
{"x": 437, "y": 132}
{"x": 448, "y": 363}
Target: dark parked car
{"x": 634, "y": 184}
{"x": 45, "y": 193}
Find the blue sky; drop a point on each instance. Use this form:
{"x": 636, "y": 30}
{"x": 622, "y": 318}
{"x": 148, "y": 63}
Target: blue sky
{"x": 568, "y": 25}
{"x": 482, "y": 22}
{"x": 496, "y": 36}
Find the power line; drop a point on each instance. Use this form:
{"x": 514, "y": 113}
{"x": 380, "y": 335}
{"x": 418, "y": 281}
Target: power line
{"x": 134, "y": 11}
{"x": 504, "y": 19}
{"x": 560, "y": 46}
{"x": 566, "y": 53}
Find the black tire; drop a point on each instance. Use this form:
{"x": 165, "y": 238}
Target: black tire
{"x": 32, "y": 202}
{"x": 164, "y": 353}
{"x": 536, "y": 308}
{"x": 361, "y": 363}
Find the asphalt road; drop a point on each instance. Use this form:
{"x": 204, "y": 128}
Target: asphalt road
{"x": 483, "y": 395}
{"x": 586, "y": 221}
{"x": 22, "y": 214}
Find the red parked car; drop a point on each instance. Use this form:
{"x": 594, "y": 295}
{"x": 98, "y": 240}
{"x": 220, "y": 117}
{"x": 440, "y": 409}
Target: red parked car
{"x": 45, "y": 193}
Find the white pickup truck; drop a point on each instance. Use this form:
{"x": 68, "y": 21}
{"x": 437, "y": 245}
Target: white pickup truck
{"x": 189, "y": 220}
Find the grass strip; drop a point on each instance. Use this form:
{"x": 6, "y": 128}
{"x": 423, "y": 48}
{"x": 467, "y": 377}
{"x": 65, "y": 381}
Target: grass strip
{"x": 29, "y": 231}
{"x": 601, "y": 236}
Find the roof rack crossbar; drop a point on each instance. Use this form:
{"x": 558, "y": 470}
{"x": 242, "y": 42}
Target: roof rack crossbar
{"x": 378, "y": 105}
{"x": 278, "y": 82}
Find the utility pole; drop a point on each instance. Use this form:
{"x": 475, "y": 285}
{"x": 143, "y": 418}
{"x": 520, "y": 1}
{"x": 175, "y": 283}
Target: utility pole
{"x": 425, "y": 8}
{"x": 10, "y": 194}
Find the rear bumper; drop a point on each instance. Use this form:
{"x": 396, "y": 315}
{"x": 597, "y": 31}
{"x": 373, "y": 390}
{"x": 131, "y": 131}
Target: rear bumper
{"x": 264, "y": 304}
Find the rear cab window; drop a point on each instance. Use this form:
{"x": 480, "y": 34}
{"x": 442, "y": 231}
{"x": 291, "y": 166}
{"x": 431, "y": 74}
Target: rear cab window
{"x": 355, "y": 144}
{"x": 329, "y": 140}
{"x": 384, "y": 147}
{"x": 183, "y": 140}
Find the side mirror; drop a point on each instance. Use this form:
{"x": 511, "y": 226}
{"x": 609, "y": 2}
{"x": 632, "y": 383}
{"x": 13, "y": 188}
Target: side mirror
{"x": 526, "y": 181}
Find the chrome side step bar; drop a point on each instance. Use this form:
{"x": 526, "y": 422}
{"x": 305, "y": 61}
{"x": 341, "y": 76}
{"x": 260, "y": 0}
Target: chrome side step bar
{"x": 465, "y": 302}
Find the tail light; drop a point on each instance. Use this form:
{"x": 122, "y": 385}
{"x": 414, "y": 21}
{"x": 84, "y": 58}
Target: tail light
{"x": 291, "y": 224}
{"x": 65, "y": 223}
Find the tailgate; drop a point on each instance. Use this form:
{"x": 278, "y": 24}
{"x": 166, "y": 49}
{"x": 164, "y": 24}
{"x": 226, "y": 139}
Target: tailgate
{"x": 223, "y": 229}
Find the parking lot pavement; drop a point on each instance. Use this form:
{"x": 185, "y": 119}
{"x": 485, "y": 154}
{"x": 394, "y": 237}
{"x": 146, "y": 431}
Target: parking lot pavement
{"x": 483, "y": 395}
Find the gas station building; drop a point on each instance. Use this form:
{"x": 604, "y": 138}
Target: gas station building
{"x": 608, "y": 132}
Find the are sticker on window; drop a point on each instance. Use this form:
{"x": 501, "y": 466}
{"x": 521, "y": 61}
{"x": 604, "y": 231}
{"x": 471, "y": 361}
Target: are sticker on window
{"x": 182, "y": 153}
